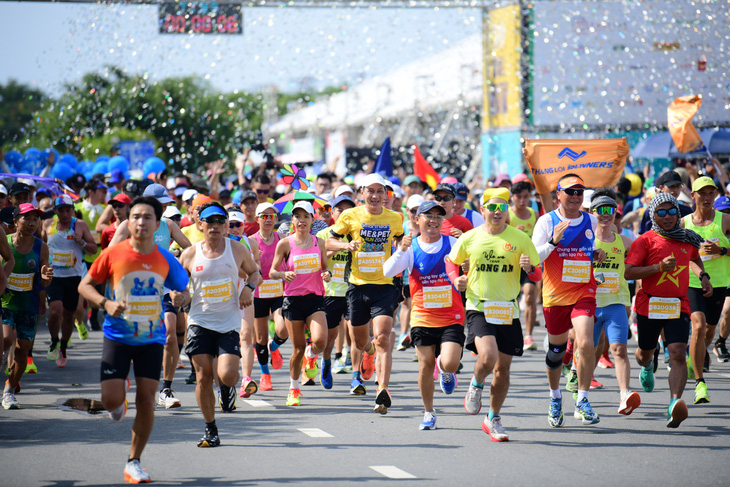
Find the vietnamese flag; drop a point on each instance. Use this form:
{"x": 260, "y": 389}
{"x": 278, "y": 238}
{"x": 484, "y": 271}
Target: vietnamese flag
{"x": 423, "y": 169}
{"x": 679, "y": 115}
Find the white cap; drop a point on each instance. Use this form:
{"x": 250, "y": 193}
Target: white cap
{"x": 389, "y": 184}
{"x": 304, "y": 205}
{"x": 587, "y": 197}
{"x": 371, "y": 179}
{"x": 3, "y": 189}
{"x": 340, "y": 190}
{"x": 327, "y": 197}
{"x": 262, "y": 207}
{"x": 171, "y": 211}
{"x": 30, "y": 182}
{"x": 189, "y": 194}
{"x": 414, "y": 201}
{"x": 399, "y": 193}
{"x": 236, "y": 216}
{"x": 171, "y": 183}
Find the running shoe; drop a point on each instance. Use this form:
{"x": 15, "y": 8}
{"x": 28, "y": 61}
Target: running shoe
{"x": 473, "y": 399}
{"x": 656, "y": 358}
{"x": 690, "y": 370}
{"x": 404, "y": 342}
{"x": 227, "y": 398}
{"x": 127, "y": 384}
{"x": 293, "y": 398}
{"x": 676, "y": 413}
{"x": 605, "y": 363}
{"x": 630, "y": 401}
{"x": 83, "y": 331}
{"x": 721, "y": 351}
{"x": 167, "y": 399}
{"x": 9, "y": 401}
{"x": 572, "y": 384}
{"x": 429, "y": 421}
{"x": 62, "y": 359}
{"x": 595, "y": 384}
{"x": 555, "y": 412}
{"x": 701, "y": 395}
{"x": 367, "y": 366}
{"x": 357, "y": 388}
{"x": 494, "y": 429}
{"x": 209, "y": 440}
{"x": 530, "y": 343}
{"x": 192, "y": 378}
{"x": 666, "y": 355}
{"x": 326, "y": 377}
{"x": 31, "y": 368}
{"x": 277, "y": 361}
{"x": 265, "y": 383}
{"x": 134, "y": 474}
{"x": 348, "y": 359}
{"x": 311, "y": 369}
{"x": 382, "y": 401}
{"x": 448, "y": 382}
{"x": 117, "y": 415}
{"x": 52, "y": 354}
{"x": 308, "y": 381}
{"x": 248, "y": 387}
{"x": 339, "y": 366}
{"x": 585, "y": 413}
{"x": 646, "y": 378}
{"x": 180, "y": 363}
{"x": 706, "y": 365}
{"x": 565, "y": 371}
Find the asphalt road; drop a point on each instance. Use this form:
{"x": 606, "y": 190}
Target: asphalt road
{"x": 335, "y": 439}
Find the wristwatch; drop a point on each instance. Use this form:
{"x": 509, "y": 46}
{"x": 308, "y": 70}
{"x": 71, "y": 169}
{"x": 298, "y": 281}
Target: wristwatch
{"x": 703, "y": 274}
{"x": 723, "y": 250}
{"x": 552, "y": 243}
{"x": 103, "y": 302}
{"x": 250, "y": 286}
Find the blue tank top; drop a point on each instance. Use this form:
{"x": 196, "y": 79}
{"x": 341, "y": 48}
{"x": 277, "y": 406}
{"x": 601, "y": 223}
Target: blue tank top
{"x": 162, "y": 235}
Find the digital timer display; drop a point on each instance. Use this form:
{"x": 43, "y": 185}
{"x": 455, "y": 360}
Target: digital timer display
{"x": 200, "y": 18}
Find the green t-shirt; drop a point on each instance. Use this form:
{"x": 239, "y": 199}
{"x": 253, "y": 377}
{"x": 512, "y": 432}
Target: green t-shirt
{"x": 337, "y": 264}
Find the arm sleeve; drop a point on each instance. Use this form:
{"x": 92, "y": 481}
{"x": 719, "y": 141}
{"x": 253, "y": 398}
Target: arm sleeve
{"x": 543, "y": 232}
{"x": 398, "y": 262}
{"x": 177, "y": 277}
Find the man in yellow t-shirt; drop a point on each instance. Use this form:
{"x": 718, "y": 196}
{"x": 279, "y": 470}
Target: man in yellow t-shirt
{"x": 369, "y": 232}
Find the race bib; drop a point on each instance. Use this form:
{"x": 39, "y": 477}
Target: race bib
{"x": 704, "y": 255}
{"x": 576, "y": 271}
{"x": 307, "y": 263}
{"x": 664, "y": 308}
{"x": 97, "y": 237}
{"x": 370, "y": 261}
{"x": 338, "y": 273}
{"x": 611, "y": 284}
{"x": 498, "y": 312}
{"x": 63, "y": 259}
{"x": 143, "y": 309}
{"x": 20, "y": 282}
{"x": 436, "y": 297}
{"x": 219, "y": 291}
{"x": 271, "y": 288}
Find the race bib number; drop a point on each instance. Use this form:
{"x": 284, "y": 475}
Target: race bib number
{"x": 63, "y": 259}
{"x": 97, "y": 237}
{"x": 704, "y": 255}
{"x": 436, "y": 297}
{"x": 338, "y": 273}
{"x": 306, "y": 263}
{"x": 664, "y": 308}
{"x": 143, "y": 309}
{"x": 611, "y": 284}
{"x": 220, "y": 291}
{"x": 271, "y": 288}
{"x": 20, "y": 282}
{"x": 576, "y": 271}
{"x": 370, "y": 261}
{"x": 498, "y": 312}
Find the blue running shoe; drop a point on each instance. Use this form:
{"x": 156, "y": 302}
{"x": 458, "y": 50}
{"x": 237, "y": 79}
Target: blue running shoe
{"x": 429, "y": 421}
{"x": 646, "y": 378}
{"x": 357, "y": 388}
{"x": 585, "y": 413}
{"x": 326, "y": 376}
{"x": 555, "y": 413}
{"x": 448, "y": 382}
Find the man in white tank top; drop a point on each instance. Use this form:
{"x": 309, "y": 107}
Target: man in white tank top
{"x": 215, "y": 265}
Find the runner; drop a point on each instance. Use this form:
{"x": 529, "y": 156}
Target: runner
{"x": 410, "y": 227}
{"x": 438, "y": 313}
{"x": 249, "y": 202}
{"x": 714, "y": 227}
{"x": 120, "y": 210}
{"x": 134, "y": 332}
{"x": 462, "y": 196}
{"x": 497, "y": 253}
{"x": 454, "y": 224}
{"x": 305, "y": 260}
{"x": 564, "y": 240}
{"x": 214, "y": 265}
{"x": 68, "y": 240}
{"x": 612, "y": 294}
{"x": 722, "y": 204}
{"x": 20, "y": 302}
{"x": 662, "y": 258}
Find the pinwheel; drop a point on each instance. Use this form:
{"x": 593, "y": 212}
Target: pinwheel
{"x": 295, "y": 176}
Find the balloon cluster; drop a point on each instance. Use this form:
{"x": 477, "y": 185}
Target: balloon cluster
{"x": 34, "y": 161}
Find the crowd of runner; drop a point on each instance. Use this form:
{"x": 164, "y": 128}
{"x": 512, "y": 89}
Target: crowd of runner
{"x": 229, "y": 274}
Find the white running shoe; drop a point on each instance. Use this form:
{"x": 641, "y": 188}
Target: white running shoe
{"x": 473, "y": 399}
{"x": 167, "y": 399}
{"x": 118, "y": 414}
{"x": 9, "y": 401}
{"x": 134, "y": 474}
{"x": 494, "y": 429}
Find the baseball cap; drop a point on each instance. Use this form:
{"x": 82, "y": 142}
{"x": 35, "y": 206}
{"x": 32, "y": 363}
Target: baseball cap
{"x": 6, "y": 215}
{"x": 521, "y": 177}
{"x": 722, "y": 203}
{"x": 236, "y": 216}
{"x": 702, "y": 182}
{"x": 171, "y": 212}
{"x": 116, "y": 177}
{"x": 570, "y": 182}
{"x": 462, "y": 192}
{"x": 342, "y": 198}
{"x": 304, "y": 205}
{"x": 412, "y": 179}
{"x": 213, "y": 210}
{"x": 18, "y": 188}
{"x": 63, "y": 200}
{"x": 414, "y": 201}
{"x": 131, "y": 187}
{"x": 3, "y": 189}
{"x": 669, "y": 178}
{"x": 159, "y": 192}
{"x": 26, "y": 208}
{"x": 501, "y": 178}
{"x": 121, "y": 198}
{"x": 76, "y": 180}
{"x": 372, "y": 179}
{"x": 342, "y": 189}
{"x": 189, "y": 194}
{"x": 224, "y": 194}
{"x": 247, "y": 195}
{"x": 429, "y": 205}
{"x": 30, "y": 182}
{"x": 448, "y": 188}
{"x": 262, "y": 207}
{"x": 180, "y": 190}
{"x": 200, "y": 199}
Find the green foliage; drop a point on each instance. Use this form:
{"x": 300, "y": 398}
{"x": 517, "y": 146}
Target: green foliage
{"x": 287, "y": 102}
{"x": 18, "y": 102}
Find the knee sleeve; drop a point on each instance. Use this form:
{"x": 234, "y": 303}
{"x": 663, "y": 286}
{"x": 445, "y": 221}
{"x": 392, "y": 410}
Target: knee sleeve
{"x": 262, "y": 352}
{"x": 554, "y": 356}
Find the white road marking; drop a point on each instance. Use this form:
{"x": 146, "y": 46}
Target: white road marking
{"x": 257, "y": 403}
{"x": 392, "y": 472}
{"x": 315, "y": 433}
{"x": 727, "y": 376}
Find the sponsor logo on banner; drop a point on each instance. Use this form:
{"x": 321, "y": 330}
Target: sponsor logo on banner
{"x": 574, "y": 156}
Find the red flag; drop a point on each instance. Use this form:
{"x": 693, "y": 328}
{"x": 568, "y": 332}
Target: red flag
{"x": 680, "y": 114}
{"x": 423, "y": 169}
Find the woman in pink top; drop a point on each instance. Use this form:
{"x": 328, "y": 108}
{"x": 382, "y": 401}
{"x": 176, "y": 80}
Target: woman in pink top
{"x": 305, "y": 260}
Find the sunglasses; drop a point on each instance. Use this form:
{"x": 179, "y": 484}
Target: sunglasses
{"x": 605, "y": 210}
{"x": 116, "y": 206}
{"x": 431, "y": 216}
{"x": 413, "y": 211}
{"x": 497, "y": 206}
{"x": 262, "y": 191}
{"x": 267, "y": 217}
{"x": 212, "y": 220}
{"x": 443, "y": 198}
{"x": 573, "y": 192}
{"x": 663, "y": 213}
{"x": 235, "y": 224}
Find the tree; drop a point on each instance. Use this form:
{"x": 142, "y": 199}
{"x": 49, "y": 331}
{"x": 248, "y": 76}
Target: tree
{"x": 18, "y": 103}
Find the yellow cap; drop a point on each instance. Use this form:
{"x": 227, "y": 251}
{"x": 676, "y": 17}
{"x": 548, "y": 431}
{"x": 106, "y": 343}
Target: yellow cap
{"x": 500, "y": 193}
{"x": 701, "y": 183}
{"x": 635, "y": 184}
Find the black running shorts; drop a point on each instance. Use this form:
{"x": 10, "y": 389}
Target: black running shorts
{"x": 509, "y": 337}
{"x": 117, "y": 357}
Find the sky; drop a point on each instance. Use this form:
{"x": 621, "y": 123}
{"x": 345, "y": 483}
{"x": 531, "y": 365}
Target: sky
{"x": 49, "y": 44}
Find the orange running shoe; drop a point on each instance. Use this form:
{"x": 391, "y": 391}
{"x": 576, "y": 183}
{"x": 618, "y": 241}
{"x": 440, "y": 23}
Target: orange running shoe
{"x": 367, "y": 366}
{"x": 265, "y": 383}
